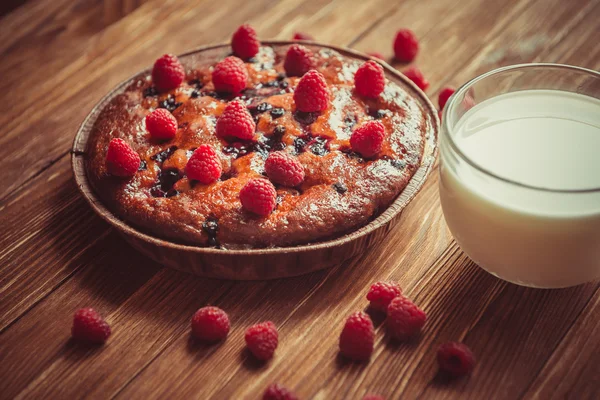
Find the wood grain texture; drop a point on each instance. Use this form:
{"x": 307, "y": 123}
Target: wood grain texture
{"x": 57, "y": 256}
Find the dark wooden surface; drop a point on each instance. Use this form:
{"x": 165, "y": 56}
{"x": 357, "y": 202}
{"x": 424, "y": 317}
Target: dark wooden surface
{"x": 60, "y": 57}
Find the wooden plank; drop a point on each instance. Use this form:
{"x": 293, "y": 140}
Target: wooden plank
{"x": 43, "y": 333}
{"x": 114, "y": 10}
{"x": 573, "y": 371}
{"x": 48, "y": 233}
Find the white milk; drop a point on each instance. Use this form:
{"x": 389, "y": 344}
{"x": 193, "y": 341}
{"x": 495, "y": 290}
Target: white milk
{"x": 543, "y": 138}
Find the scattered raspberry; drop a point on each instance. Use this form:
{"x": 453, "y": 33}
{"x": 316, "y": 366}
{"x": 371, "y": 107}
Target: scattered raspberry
{"x": 262, "y": 339}
{"x": 302, "y": 36}
{"x": 236, "y": 122}
{"x": 89, "y": 326}
{"x": 244, "y": 42}
{"x": 358, "y": 336}
{"x": 382, "y": 293}
{"x": 298, "y": 60}
{"x": 406, "y": 45}
{"x": 376, "y": 54}
{"x": 167, "y": 73}
{"x": 415, "y": 75}
{"x": 230, "y": 75}
{"x": 161, "y": 124}
{"x": 444, "y": 96}
{"x": 373, "y": 397}
{"x": 121, "y": 160}
{"x": 204, "y": 165}
{"x": 404, "y": 318}
{"x": 311, "y": 94}
{"x": 367, "y": 139}
{"x": 284, "y": 169}
{"x": 369, "y": 79}
{"x": 259, "y": 197}
{"x": 455, "y": 358}
{"x": 210, "y": 324}
{"x": 278, "y": 392}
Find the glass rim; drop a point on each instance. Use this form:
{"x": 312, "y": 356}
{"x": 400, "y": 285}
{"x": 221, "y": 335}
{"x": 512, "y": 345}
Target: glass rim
{"x": 466, "y": 86}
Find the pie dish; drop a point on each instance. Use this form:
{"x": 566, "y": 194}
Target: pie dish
{"x": 345, "y": 202}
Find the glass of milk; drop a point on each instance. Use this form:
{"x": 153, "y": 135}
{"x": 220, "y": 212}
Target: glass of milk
{"x": 520, "y": 173}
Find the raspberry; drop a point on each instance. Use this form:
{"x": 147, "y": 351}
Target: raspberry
{"x": 167, "y": 73}
{"x": 298, "y": 60}
{"x": 311, "y": 94}
{"x": 121, "y": 160}
{"x": 406, "y": 45}
{"x": 358, "y": 336}
{"x": 376, "y": 54}
{"x": 204, "y": 165}
{"x": 89, "y": 326}
{"x": 404, "y": 318}
{"x": 236, "y": 122}
{"x": 278, "y": 392}
{"x": 444, "y": 96}
{"x": 302, "y": 36}
{"x": 373, "y": 397}
{"x": 382, "y": 293}
{"x": 367, "y": 139}
{"x": 244, "y": 42}
{"x": 262, "y": 340}
{"x": 161, "y": 124}
{"x": 230, "y": 75}
{"x": 369, "y": 79}
{"x": 415, "y": 75}
{"x": 455, "y": 359}
{"x": 259, "y": 197}
{"x": 210, "y": 324}
{"x": 284, "y": 169}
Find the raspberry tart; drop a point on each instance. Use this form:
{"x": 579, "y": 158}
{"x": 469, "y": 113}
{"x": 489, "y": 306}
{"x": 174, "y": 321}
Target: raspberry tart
{"x": 251, "y": 157}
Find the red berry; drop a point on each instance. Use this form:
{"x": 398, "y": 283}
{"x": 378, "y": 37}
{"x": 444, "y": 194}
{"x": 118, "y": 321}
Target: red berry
{"x": 298, "y": 60}
{"x": 358, "y": 336}
{"x": 236, "y": 122}
{"x": 415, "y": 75}
{"x": 210, "y": 324}
{"x": 230, "y": 75}
{"x": 382, "y": 293}
{"x": 89, "y": 326}
{"x": 455, "y": 358}
{"x": 302, "y": 36}
{"x": 278, "y": 392}
{"x": 284, "y": 169}
{"x": 161, "y": 124}
{"x": 444, "y": 96}
{"x": 121, "y": 159}
{"x": 367, "y": 139}
{"x": 244, "y": 42}
{"x": 404, "y": 318}
{"x": 376, "y": 54}
{"x": 167, "y": 73}
{"x": 204, "y": 165}
{"x": 262, "y": 340}
{"x": 406, "y": 45}
{"x": 259, "y": 197}
{"x": 369, "y": 79}
{"x": 311, "y": 94}
{"x": 373, "y": 397}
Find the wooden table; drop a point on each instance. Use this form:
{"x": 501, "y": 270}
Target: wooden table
{"x": 59, "y": 57}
